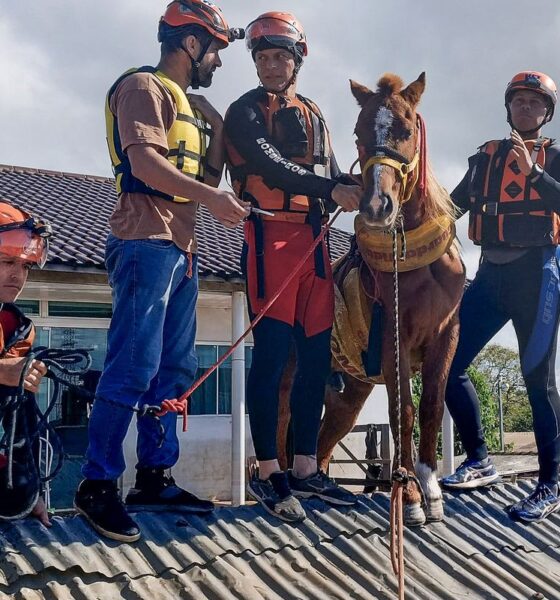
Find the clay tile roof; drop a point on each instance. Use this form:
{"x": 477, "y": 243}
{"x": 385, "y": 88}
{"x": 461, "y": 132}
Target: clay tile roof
{"x": 79, "y": 206}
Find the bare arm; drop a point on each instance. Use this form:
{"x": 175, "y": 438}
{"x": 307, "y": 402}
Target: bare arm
{"x": 155, "y": 170}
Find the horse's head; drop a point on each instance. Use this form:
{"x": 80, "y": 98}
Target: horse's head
{"x": 388, "y": 141}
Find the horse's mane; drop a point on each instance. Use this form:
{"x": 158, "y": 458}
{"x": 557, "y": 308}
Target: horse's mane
{"x": 438, "y": 201}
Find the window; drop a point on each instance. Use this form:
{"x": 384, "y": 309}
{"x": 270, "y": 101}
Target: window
{"x": 28, "y": 307}
{"x": 96, "y": 310}
{"x": 70, "y": 409}
{"x": 213, "y": 397}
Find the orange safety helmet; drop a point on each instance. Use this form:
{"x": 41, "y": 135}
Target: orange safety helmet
{"x": 181, "y": 13}
{"x": 23, "y": 236}
{"x": 534, "y": 82}
{"x": 279, "y": 29}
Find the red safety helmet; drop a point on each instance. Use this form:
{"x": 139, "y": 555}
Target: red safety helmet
{"x": 23, "y": 236}
{"x": 278, "y": 29}
{"x": 181, "y": 13}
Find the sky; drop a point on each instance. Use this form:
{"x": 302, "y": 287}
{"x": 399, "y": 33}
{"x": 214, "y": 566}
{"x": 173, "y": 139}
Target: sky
{"x": 59, "y": 57}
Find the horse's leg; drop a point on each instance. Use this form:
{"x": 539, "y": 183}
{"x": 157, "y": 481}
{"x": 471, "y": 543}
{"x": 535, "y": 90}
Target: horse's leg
{"x": 435, "y": 369}
{"x": 284, "y": 414}
{"x": 413, "y": 512}
{"x": 341, "y": 412}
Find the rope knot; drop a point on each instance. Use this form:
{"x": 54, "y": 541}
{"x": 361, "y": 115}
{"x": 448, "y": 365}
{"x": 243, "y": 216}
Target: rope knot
{"x": 400, "y": 476}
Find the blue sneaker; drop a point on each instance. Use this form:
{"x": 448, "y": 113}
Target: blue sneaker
{"x": 537, "y": 506}
{"x": 321, "y": 486}
{"x": 472, "y": 474}
{"x": 276, "y": 498}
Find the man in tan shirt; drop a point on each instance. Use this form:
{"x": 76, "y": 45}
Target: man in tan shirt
{"x": 157, "y": 141}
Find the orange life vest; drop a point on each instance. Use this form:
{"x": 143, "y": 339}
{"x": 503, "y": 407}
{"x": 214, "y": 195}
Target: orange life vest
{"x": 505, "y": 208}
{"x": 15, "y": 343}
{"x": 285, "y": 206}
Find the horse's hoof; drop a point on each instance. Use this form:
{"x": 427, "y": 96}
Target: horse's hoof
{"x": 434, "y": 510}
{"x": 414, "y": 515}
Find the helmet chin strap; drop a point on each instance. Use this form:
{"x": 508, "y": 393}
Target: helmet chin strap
{"x": 528, "y": 131}
{"x": 195, "y": 63}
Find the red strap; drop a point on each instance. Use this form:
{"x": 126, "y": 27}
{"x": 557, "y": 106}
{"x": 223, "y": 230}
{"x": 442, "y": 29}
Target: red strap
{"x": 422, "y": 182}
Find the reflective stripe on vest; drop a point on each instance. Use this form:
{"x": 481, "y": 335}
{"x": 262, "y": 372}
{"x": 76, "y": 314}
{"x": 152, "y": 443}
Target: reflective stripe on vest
{"x": 505, "y": 209}
{"x": 285, "y": 206}
{"x": 186, "y": 140}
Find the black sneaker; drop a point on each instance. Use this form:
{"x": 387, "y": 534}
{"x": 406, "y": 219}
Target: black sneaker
{"x": 98, "y": 501}
{"x": 276, "y": 498}
{"x": 321, "y": 486}
{"x": 155, "y": 491}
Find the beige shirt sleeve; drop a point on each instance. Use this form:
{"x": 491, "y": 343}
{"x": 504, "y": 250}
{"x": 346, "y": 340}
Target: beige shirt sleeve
{"x": 145, "y": 111}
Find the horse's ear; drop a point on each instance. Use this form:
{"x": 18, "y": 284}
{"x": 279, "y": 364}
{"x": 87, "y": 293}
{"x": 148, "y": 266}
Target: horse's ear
{"x": 414, "y": 91}
{"x": 360, "y": 92}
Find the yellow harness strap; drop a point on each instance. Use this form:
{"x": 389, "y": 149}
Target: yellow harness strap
{"x": 424, "y": 245}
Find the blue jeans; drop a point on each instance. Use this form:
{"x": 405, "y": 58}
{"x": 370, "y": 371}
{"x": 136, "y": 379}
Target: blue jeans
{"x": 150, "y": 353}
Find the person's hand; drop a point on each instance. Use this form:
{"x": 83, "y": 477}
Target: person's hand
{"x": 347, "y": 196}
{"x": 225, "y": 207}
{"x": 40, "y": 512}
{"x": 212, "y": 116}
{"x": 10, "y": 373}
{"x": 522, "y": 155}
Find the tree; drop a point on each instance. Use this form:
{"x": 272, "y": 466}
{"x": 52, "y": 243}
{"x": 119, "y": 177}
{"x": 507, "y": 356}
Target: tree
{"x": 488, "y": 411}
{"x": 501, "y": 367}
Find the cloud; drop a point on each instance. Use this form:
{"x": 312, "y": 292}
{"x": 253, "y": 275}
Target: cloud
{"x": 59, "y": 57}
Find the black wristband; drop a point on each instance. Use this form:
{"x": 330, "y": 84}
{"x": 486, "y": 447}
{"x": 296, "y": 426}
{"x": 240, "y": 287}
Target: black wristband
{"x": 536, "y": 173}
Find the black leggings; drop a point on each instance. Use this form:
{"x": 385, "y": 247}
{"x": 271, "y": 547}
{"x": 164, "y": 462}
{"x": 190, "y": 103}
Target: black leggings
{"x": 525, "y": 291}
{"x": 273, "y": 340}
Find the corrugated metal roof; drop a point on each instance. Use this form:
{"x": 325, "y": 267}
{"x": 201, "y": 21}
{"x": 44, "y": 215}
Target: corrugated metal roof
{"x": 79, "y": 207}
{"x": 242, "y": 553}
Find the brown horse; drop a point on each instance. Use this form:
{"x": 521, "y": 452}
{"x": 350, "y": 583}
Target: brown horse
{"x": 400, "y": 194}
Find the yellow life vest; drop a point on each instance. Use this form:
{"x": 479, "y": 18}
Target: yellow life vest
{"x": 186, "y": 140}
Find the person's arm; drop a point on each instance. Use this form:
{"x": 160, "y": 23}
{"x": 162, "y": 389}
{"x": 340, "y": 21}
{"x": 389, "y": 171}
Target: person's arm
{"x": 460, "y": 195}
{"x": 144, "y": 115}
{"x": 11, "y": 370}
{"x": 156, "y": 171}
{"x": 215, "y": 156}
{"x": 547, "y": 184}
{"x": 246, "y": 129}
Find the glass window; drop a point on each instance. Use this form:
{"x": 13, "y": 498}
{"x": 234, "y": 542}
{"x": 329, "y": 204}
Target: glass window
{"x": 28, "y": 307}
{"x": 214, "y": 395}
{"x": 70, "y": 409}
{"x": 96, "y": 310}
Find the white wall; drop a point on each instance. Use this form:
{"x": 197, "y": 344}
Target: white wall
{"x": 204, "y": 466}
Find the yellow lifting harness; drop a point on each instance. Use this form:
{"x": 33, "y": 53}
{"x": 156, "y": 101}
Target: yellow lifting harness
{"x": 186, "y": 140}
{"x": 424, "y": 245}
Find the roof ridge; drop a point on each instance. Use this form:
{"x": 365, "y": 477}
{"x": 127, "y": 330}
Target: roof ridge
{"x": 82, "y": 176}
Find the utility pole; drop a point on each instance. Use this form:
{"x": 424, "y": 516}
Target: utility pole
{"x": 501, "y": 413}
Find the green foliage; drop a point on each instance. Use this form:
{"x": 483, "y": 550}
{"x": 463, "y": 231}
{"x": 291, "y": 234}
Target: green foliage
{"x": 495, "y": 371}
{"x": 488, "y": 411}
{"x": 501, "y": 367}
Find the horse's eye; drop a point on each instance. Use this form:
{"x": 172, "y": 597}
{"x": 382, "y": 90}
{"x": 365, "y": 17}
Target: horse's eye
{"x": 407, "y": 134}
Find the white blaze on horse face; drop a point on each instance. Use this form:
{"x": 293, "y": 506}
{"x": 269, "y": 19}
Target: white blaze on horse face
{"x": 428, "y": 481}
{"x": 383, "y": 121}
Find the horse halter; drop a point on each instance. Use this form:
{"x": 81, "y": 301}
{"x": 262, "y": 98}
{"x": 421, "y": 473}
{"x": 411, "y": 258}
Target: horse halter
{"x": 389, "y": 157}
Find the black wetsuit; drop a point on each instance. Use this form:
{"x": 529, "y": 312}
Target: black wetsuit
{"x": 247, "y": 133}
{"x": 525, "y": 289}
